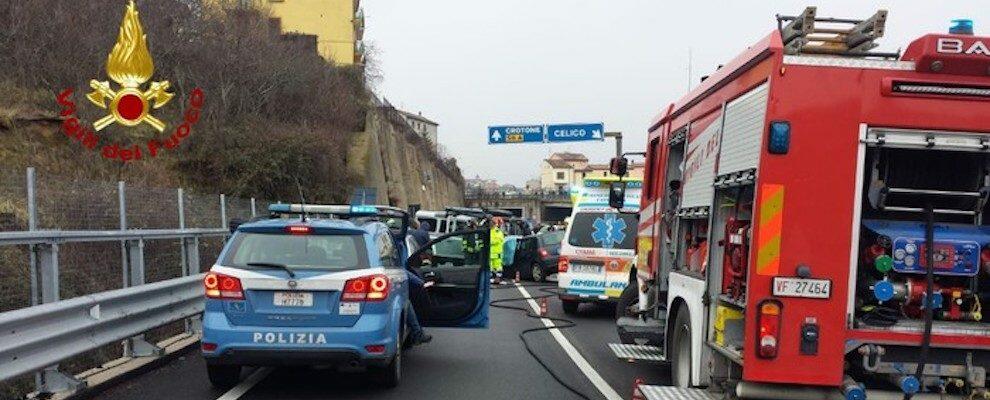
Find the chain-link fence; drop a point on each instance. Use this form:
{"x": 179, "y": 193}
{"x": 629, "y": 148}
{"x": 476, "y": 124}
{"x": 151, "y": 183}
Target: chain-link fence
{"x": 15, "y": 262}
{"x": 30, "y": 202}
{"x": 92, "y": 267}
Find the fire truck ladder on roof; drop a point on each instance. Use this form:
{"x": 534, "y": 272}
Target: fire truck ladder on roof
{"x": 840, "y": 37}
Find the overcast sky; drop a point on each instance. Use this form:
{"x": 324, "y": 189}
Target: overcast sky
{"x": 468, "y": 64}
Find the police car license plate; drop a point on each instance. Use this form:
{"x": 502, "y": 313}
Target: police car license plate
{"x": 800, "y": 287}
{"x": 349, "y": 308}
{"x": 293, "y": 299}
{"x": 586, "y": 268}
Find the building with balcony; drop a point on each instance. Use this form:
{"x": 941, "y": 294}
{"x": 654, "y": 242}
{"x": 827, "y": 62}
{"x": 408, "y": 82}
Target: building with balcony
{"x": 562, "y": 171}
{"x": 558, "y": 171}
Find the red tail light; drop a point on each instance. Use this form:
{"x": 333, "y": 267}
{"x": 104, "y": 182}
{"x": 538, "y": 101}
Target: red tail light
{"x": 375, "y": 348}
{"x": 768, "y": 337}
{"x": 299, "y": 229}
{"x": 563, "y": 264}
{"x": 367, "y": 288}
{"x": 543, "y": 253}
{"x": 220, "y": 286}
{"x": 209, "y": 347}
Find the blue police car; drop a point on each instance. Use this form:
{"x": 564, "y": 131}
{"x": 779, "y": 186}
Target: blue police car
{"x": 328, "y": 285}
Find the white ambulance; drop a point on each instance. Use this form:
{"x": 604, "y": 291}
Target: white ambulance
{"x": 599, "y": 247}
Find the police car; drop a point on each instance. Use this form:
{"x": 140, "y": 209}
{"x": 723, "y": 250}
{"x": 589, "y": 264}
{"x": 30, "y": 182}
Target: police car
{"x": 327, "y": 285}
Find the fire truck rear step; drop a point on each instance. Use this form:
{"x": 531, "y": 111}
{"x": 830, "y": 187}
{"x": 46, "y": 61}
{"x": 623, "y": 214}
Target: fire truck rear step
{"x": 637, "y": 352}
{"x": 652, "y": 392}
{"x": 641, "y": 330}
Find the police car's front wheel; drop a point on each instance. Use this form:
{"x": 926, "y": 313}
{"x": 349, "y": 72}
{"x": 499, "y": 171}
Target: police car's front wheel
{"x": 224, "y": 376}
{"x": 389, "y": 375}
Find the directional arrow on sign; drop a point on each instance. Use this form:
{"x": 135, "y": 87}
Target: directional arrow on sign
{"x": 575, "y": 132}
{"x": 511, "y": 134}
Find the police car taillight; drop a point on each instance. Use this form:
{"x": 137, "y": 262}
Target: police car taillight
{"x": 366, "y": 288}
{"x": 220, "y": 286}
{"x": 563, "y": 264}
{"x": 375, "y": 348}
{"x": 768, "y": 336}
{"x": 299, "y": 229}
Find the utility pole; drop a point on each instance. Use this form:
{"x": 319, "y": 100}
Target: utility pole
{"x": 618, "y": 142}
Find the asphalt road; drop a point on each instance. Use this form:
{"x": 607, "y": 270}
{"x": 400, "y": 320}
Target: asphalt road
{"x": 458, "y": 364}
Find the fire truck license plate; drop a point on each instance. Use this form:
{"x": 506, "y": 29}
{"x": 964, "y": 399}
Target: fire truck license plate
{"x": 799, "y": 287}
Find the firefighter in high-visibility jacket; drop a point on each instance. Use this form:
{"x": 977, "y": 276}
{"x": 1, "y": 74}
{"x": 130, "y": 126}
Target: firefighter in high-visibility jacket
{"x": 496, "y": 241}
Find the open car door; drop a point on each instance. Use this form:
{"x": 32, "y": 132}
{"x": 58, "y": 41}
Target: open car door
{"x": 457, "y": 264}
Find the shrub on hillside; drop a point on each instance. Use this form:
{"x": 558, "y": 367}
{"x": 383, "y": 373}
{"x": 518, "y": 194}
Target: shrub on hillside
{"x": 268, "y": 104}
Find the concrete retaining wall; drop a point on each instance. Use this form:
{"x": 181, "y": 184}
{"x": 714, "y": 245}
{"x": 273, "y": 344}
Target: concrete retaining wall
{"x": 401, "y": 166}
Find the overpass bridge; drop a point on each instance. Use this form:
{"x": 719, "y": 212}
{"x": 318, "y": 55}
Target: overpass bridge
{"x": 539, "y": 206}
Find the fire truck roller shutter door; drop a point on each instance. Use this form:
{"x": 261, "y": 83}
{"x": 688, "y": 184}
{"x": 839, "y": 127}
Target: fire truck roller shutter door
{"x": 699, "y": 165}
{"x": 743, "y": 129}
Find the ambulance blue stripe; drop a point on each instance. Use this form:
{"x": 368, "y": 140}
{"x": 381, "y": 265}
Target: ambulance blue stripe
{"x": 584, "y": 291}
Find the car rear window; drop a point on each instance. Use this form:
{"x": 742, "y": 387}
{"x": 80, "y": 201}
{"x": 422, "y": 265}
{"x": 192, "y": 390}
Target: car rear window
{"x": 324, "y": 252}
{"x": 606, "y": 230}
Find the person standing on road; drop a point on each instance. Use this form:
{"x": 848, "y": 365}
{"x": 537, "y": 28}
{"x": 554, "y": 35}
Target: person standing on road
{"x": 417, "y": 289}
{"x": 419, "y": 234}
{"x": 471, "y": 245}
{"x": 509, "y": 269}
{"x": 496, "y": 243}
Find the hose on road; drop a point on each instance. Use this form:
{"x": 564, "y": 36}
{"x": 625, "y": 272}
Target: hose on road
{"x": 560, "y": 323}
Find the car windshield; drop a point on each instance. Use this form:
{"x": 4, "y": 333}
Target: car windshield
{"x": 606, "y": 230}
{"x": 551, "y": 238}
{"x": 323, "y": 252}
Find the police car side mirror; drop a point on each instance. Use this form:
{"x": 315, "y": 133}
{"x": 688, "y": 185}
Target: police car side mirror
{"x": 619, "y": 166}
{"x": 617, "y": 194}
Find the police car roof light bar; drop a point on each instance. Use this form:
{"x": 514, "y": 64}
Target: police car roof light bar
{"x": 339, "y": 210}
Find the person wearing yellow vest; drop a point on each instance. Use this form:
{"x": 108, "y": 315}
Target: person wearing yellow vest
{"x": 496, "y": 242}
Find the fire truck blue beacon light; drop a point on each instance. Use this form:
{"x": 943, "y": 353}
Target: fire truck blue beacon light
{"x": 961, "y": 27}
{"x": 780, "y": 137}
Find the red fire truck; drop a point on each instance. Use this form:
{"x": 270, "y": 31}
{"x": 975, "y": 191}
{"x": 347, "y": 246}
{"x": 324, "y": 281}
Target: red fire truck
{"x": 812, "y": 220}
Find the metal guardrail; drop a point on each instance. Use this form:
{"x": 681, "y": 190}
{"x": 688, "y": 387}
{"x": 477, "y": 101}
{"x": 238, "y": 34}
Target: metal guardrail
{"x": 36, "y": 337}
{"x": 52, "y": 329}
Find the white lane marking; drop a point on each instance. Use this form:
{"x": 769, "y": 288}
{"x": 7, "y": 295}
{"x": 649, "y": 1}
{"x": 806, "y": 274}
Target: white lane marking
{"x": 572, "y": 352}
{"x": 237, "y": 391}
